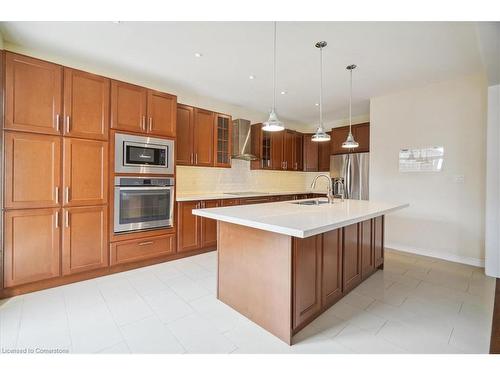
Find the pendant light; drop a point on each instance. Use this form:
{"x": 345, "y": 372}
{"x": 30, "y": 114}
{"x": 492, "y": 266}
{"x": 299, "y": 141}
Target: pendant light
{"x": 320, "y": 135}
{"x": 273, "y": 124}
{"x": 350, "y": 142}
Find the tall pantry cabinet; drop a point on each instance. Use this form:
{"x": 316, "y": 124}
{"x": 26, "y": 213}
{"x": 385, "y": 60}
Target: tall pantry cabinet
{"x": 56, "y": 166}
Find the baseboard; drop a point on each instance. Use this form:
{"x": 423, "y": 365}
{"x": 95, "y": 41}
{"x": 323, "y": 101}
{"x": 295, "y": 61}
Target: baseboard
{"x": 437, "y": 254}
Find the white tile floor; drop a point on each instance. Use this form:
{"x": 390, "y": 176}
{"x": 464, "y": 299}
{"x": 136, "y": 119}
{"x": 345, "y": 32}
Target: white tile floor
{"x": 416, "y": 305}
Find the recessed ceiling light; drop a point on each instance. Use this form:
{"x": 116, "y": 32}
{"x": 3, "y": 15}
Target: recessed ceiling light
{"x": 197, "y": 54}
{"x": 283, "y": 92}
{"x": 251, "y": 77}
{"x": 316, "y": 104}
{"x": 116, "y": 21}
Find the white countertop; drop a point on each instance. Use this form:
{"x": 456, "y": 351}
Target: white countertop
{"x": 208, "y": 196}
{"x": 299, "y": 220}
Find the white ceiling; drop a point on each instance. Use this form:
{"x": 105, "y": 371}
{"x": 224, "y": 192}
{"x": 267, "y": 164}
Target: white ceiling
{"x": 390, "y": 56}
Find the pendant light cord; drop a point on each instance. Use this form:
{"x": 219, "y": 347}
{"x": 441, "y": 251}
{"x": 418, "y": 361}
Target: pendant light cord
{"x": 350, "y": 105}
{"x": 274, "y": 69}
{"x": 321, "y": 88}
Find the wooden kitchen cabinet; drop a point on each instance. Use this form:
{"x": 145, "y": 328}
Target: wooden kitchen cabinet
{"x": 86, "y": 105}
{"x": 298, "y": 152}
{"x": 306, "y": 273}
{"x": 362, "y": 136}
{"x": 209, "y": 226}
{"x": 339, "y": 135}
{"x": 230, "y": 202}
{"x": 162, "y": 114}
{"x": 85, "y": 239}
{"x": 289, "y": 150}
{"x": 332, "y": 267}
{"x": 188, "y": 226}
{"x": 85, "y": 176}
{"x": 260, "y": 147}
{"x": 32, "y": 170}
{"x": 378, "y": 240}
{"x": 256, "y": 200}
{"x": 184, "y": 141}
{"x": 324, "y": 156}
{"x": 277, "y": 139}
{"x": 351, "y": 270}
{"x": 223, "y": 140}
{"x": 366, "y": 244}
{"x": 31, "y": 245}
{"x": 33, "y": 94}
{"x": 203, "y": 136}
{"x": 310, "y": 154}
{"x": 128, "y": 107}
{"x": 129, "y": 251}
{"x": 361, "y": 133}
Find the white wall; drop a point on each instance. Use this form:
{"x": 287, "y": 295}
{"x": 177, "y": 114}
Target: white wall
{"x": 446, "y": 217}
{"x": 492, "y": 261}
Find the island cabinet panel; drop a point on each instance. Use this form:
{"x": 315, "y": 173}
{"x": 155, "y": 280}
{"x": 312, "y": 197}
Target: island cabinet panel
{"x": 128, "y": 107}
{"x": 203, "y": 137}
{"x": 189, "y": 226}
{"x": 32, "y": 245}
{"x": 324, "y": 156}
{"x": 209, "y": 226}
{"x": 85, "y": 176}
{"x": 367, "y": 249}
{"x": 184, "y": 140}
{"x": 307, "y": 261}
{"x": 86, "y": 105}
{"x": 378, "y": 240}
{"x": 32, "y": 170}
{"x": 33, "y": 94}
{"x": 352, "y": 258}
{"x": 332, "y": 267}
{"x": 310, "y": 152}
{"x": 85, "y": 243}
{"x": 161, "y": 113}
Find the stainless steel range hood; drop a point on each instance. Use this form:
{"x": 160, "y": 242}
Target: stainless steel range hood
{"x": 242, "y": 140}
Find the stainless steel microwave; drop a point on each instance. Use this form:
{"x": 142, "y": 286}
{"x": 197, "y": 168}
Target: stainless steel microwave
{"x": 136, "y": 154}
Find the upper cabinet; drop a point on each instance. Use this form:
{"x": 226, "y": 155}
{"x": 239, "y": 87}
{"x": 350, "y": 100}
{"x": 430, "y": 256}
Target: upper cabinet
{"x": 361, "y": 133}
{"x": 185, "y": 124}
{"x": 161, "y": 113}
{"x": 298, "y": 152}
{"x": 260, "y": 147}
{"x": 324, "y": 156}
{"x": 310, "y": 154}
{"x": 203, "y": 137}
{"x": 86, "y": 105}
{"x": 128, "y": 107}
{"x": 223, "y": 139}
{"x": 32, "y": 94}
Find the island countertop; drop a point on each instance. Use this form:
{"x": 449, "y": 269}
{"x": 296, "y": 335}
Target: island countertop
{"x": 300, "y": 220}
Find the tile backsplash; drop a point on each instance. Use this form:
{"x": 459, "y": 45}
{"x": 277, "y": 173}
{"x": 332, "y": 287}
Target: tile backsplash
{"x": 239, "y": 178}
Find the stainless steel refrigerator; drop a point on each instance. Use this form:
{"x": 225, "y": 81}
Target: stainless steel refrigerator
{"x": 353, "y": 169}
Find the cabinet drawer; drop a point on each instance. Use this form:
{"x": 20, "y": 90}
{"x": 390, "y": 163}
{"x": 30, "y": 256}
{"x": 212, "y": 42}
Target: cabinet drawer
{"x": 144, "y": 248}
{"x": 230, "y": 202}
{"x": 255, "y": 200}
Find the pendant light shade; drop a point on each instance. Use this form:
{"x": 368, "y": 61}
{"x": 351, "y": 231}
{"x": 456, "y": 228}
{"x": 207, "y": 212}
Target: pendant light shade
{"x": 320, "y": 135}
{"x": 273, "y": 123}
{"x": 350, "y": 142}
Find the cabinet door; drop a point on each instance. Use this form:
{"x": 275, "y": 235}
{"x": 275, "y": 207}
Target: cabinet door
{"x": 332, "y": 267}
{"x": 31, "y": 245}
{"x": 85, "y": 176}
{"x": 289, "y": 150}
{"x": 209, "y": 227}
{"x": 362, "y": 136}
{"x": 310, "y": 154}
{"x": 85, "y": 242}
{"x": 223, "y": 140}
{"x": 32, "y": 170}
{"x": 189, "y": 227}
{"x": 128, "y": 107}
{"x": 339, "y": 135}
{"x": 306, "y": 273}
{"x": 184, "y": 141}
{"x": 203, "y": 137}
{"x": 161, "y": 113}
{"x": 33, "y": 93}
{"x": 366, "y": 244}
{"x": 378, "y": 240}
{"x": 277, "y": 150}
{"x": 324, "y": 156}
{"x": 352, "y": 258}
{"x": 298, "y": 153}
{"x": 141, "y": 249}
{"x": 86, "y": 105}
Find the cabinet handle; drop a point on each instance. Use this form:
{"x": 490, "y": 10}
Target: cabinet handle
{"x": 296, "y": 165}
{"x": 191, "y": 158}
{"x": 57, "y": 219}
{"x": 145, "y": 243}
{"x": 150, "y": 124}
{"x": 143, "y": 125}
{"x": 67, "y": 194}
{"x": 66, "y": 219}
{"x": 57, "y": 194}
{"x": 196, "y": 158}
{"x": 68, "y": 124}
{"x": 57, "y": 122}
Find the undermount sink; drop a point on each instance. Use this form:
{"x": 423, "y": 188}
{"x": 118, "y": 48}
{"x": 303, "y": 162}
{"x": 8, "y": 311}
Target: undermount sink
{"x": 310, "y": 203}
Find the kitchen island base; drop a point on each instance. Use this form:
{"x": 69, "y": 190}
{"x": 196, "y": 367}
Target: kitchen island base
{"x": 282, "y": 283}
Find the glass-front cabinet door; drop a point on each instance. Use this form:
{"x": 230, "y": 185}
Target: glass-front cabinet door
{"x": 223, "y": 140}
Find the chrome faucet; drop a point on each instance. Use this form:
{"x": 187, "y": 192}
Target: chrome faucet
{"x": 329, "y": 192}
{"x": 341, "y": 182}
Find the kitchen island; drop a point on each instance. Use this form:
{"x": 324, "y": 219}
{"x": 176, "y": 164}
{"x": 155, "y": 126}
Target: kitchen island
{"x": 282, "y": 264}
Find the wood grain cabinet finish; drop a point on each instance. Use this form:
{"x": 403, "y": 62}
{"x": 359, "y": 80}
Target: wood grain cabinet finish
{"x": 203, "y": 136}
{"x": 366, "y": 244}
{"x": 85, "y": 243}
{"x": 86, "y": 105}
{"x": 184, "y": 140}
{"x": 332, "y": 267}
{"x": 140, "y": 249}
{"x": 85, "y": 176}
{"x": 260, "y": 147}
{"x": 32, "y": 245}
{"x": 339, "y": 135}
{"x": 361, "y": 133}
{"x": 188, "y": 226}
{"x": 162, "y": 114}
{"x": 33, "y": 94}
{"x": 277, "y": 139}
{"x": 324, "y": 156}
{"x": 32, "y": 170}
{"x": 352, "y": 258}
{"x": 289, "y": 150}
{"x": 310, "y": 152}
{"x": 223, "y": 140}
{"x": 378, "y": 240}
{"x": 209, "y": 226}
{"x": 128, "y": 107}
{"x": 298, "y": 152}
{"x": 306, "y": 271}
{"x": 362, "y": 136}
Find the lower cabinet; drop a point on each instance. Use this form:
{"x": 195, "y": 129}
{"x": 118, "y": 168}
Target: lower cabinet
{"x": 85, "y": 239}
{"x": 209, "y": 227}
{"x": 332, "y": 267}
{"x": 195, "y": 232}
{"x": 32, "y": 245}
{"x": 352, "y": 257}
{"x": 378, "y": 240}
{"x": 366, "y": 244}
{"x": 141, "y": 249}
